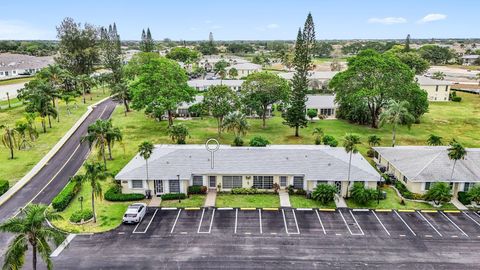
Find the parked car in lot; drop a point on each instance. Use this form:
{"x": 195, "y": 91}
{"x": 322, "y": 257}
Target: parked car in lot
{"x": 135, "y": 213}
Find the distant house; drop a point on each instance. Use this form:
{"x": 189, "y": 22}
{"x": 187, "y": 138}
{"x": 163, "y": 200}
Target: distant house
{"x": 468, "y": 60}
{"x": 324, "y": 104}
{"x": 203, "y": 85}
{"x": 173, "y": 168}
{"x": 245, "y": 69}
{"x": 209, "y": 61}
{"x": 16, "y": 65}
{"x": 318, "y": 80}
{"x": 437, "y": 90}
{"x": 418, "y": 167}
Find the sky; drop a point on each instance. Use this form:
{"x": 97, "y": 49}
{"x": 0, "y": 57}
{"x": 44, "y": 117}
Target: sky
{"x": 247, "y": 19}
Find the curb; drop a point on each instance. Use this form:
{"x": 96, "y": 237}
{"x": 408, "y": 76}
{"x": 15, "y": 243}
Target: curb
{"x": 26, "y": 178}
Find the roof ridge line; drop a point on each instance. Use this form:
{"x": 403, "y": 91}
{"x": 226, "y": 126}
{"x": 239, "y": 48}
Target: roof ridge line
{"x": 428, "y": 163}
{"x": 347, "y": 162}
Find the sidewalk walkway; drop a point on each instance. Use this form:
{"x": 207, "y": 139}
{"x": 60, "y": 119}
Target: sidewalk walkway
{"x": 458, "y": 204}
{"x": 155, "y": 201}
{"x": 284, "y": 198}
{"x": 340, "y": 201}
{"x": 211, "y": 198}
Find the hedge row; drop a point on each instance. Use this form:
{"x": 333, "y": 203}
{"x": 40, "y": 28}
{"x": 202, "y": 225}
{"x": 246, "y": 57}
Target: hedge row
{"x": 78, "y": 216}
{"x": 244, "y": 191}
{"x": 115, "y": 194}
{"x": 464, "y": 198}
{"x": 61, "y": 201}
{"x": 4, "y": 186}
{"x": 174, "y": 196}
{"x": 197, "y": 190}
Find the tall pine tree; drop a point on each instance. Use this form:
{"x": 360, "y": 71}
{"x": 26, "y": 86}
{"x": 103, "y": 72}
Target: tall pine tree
{"x": 407, "y": 44}
{"x": 304, "y": 46}
{"x": 147, "y": 44}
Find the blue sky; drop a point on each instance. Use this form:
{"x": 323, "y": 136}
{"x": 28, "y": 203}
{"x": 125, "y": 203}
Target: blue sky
{"x": 248, "y": 19}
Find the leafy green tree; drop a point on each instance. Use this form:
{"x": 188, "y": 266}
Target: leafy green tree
{"x": 78, "y": 49}
{"x": 324, "y": 193}
{"x": 237, "y": 123}
{"x": 439, "y": 193}
{"x": 350, "y": 144}
{"x": 259, "y": 141}
{"x": 220, "y": 101}
{"x": 145, "y": 150}
{"x": 37, "y": 95}
{"x": 9, "y": 139}
{"x": 52, "y": 74}
{"x": 370, "y": 82}
{"x": 456, "y": 152}
{"x": 396, "y": 114}
{"x": 147, "y": 44}
{"x": 111, "y": 52}
{"x": 232, "y": 73}
{"x": 94, "y": 173}
{"x": 30, "y": 229}
{"x": 158, "y": 82}
{"x": 311, "y": 113}
{"x": 414, "y": 61}
{"x": 434, "y": 140}
{"x": 323, "y": 49}
{"x": 474, "y": 193}
{"x": 436, "y": 54}
{"x": 183, "y": 54}
{"x": 97, "y": 134}
{"x": 261, "y": 90}
{"x": 220, "y": 67}
{"x": 362, "y": 195}
{"x": 318, "y": 133}
{"x": 178, "y": 133}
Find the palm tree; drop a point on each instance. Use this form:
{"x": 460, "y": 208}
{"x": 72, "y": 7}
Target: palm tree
{"x": 53, "y": 74}
{"x": 30, "y": 229}
{"x": 123, "y": 93}
{"x": 395, "y": 114}
{"x": 456, "y": 152}
{"x": 113, "y": 134}
{"x": 178, "y": 133}
{"x": 232, "y": 73}
{"x": 67, "y": 98}
{"x": 374, "y": 140}
{"x": 22, "y": 127}
{"x": 438, "y": 75}
{"x": 9, "y": 138}
{"x": 145, "y": 150}
{"x": 318, "y": 133}
{"x": 350, "y": 143}
{"x": 94, "y": 173}
{"x": 434, "y": 140}
{"x": 97, "y": 133}
{"x": 237, "y": 123}
{"x": 85, "y": 82}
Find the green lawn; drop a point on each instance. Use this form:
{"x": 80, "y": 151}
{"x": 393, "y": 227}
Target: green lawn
{"x": 247, "y": 201}
{"x": 13, "y": 170}
{"x": 393, "y": 202}
{"x": 13, "y": 81}
{"x": 300, "y": 201}
{"x": 192, "y": 201}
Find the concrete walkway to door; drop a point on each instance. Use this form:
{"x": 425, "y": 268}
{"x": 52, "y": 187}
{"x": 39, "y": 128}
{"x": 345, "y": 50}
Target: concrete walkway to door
{"x": 211, "y": 198}
{"x": 284, "y": 198}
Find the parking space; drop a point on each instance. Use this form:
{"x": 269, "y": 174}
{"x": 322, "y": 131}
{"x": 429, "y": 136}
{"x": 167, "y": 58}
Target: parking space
{"x": 248, "y": 221}
{"x": 370, "y": 223}
{"x": 309, "y": 222}
{"x": 143, "y": 226}
{"x": 333, "y": 223}
{"x": 419, "y": 224}
{"x": 465, "y": 222}
{"x": 272, "y": 222}
{"x": 445, "y": 225}
{"x": 162, "y": 223}
{"x": 187, "y": 221}
{"x": 394, "y": 224}
{"x": 206, "y": 220}
{"x": 351, "y": 222}
{"x": 224, "y": 221}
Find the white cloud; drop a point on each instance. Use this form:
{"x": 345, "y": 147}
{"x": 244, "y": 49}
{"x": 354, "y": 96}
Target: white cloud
{"x": 433, "y": 17}
{"x": 15, "y": 29}
{"x": 388, "y": 20}
{"x": 272, "y": 26}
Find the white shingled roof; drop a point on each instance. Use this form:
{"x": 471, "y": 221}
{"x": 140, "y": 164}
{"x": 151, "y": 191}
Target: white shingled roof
{"x": 316, "y": 75}
{"x": 423, "y": 80}
{"x": 431, "y": 163}
{"x": 245, "y": 66}
{"x": 314, "y": 162}
{"x": 208, "y": 83}
{"x": 320, "y": 101}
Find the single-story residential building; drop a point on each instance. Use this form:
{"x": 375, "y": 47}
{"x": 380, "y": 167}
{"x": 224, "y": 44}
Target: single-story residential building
{"x": 15, "y": 65}
{"x": 437, "y": 90}
{"x": 173, "y": 168}
{"x": 245, "y": 69}
{"x": 324, "y": 104}
{"x": 418, "y": 167}
{"x": 468, "y": 60}
{"x": 203, "y": 85}
{"x": 318, "y": 80}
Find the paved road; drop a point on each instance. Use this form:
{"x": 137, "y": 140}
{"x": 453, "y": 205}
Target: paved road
{"x": 11, "y": 89}
{"x": 43, "y": 187}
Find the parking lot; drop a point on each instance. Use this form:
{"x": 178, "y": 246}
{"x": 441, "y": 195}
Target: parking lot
{"x": 307, "y": 222}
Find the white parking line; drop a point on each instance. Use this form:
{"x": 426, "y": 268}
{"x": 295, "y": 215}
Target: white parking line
{"x": 260, "y": 220}
{"x": 169, "y": 208}
{"x": 381, "y": 223}
{"x": 201, "y": 219}
{"x": 296, "y": 223}
{"x": 405, "y": 223}
{"x": 476, "y": 222}
{"x": 176, "y": 219}
{"x": 236, "y": 219}
{"x": 358, "y": 225}
{"x": 429, "y": 223}
{"x": 320, "y": 220}
{"x": 284, "y": 221}
{"x": 304, "y": 209}
{"x": 225, "y": 208}
{"x": 148, "y": 225}
{"x": 63, "y": 245}
{"x": 454, "y": 224}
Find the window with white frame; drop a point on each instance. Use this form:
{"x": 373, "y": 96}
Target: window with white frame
{"x": 427, "y": 185}
{"x": 231, "y": 181}
{"x": 174, "y": 186}
{"x": 298, "y": 182}
{"x": 137, "y": 183}
{"x": 320, "y": 182}
{"x": 263, "y": 182}
{"x": 197, "y": 180}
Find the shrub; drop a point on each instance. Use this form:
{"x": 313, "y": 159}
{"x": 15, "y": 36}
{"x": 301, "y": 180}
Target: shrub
{"x": 311, "y": 113}
{"x": 4, "y": 186}
{"x": 238, "y": 141}
{"x": 259, "y": 141}
{"x": 403, "y": 190}
{"x": 276, "y": 187}
{"x": 456, "y": 99}
{"x": 300, "y": 191}
{"x": 362, "y": 195}
{"x": 370, "y": 153}
{"x": 439, "y": 193}
{"x": 464, "y": 198}
{"x": 61, "y": 201}
{"x": 330, "y": 140}
{"x": 197, "y": 190}
{"x": 291, "y": 190}
{"x": 114, "y": 194}
{"x": 78, "y": 216}
{"x": 324, "y": 193}
{"x": 246, "y": 191}
{"x": 174, "y": 196}
{"x": 474, "y": 193}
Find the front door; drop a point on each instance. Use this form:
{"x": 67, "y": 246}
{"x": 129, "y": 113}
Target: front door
{"x": 158, "y": 187}
{"x": 338, "y": 185}
{"x": 212, "y": 181}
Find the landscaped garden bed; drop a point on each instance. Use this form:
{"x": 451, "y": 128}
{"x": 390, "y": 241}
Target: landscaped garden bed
{"x": 300, "y": 201}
